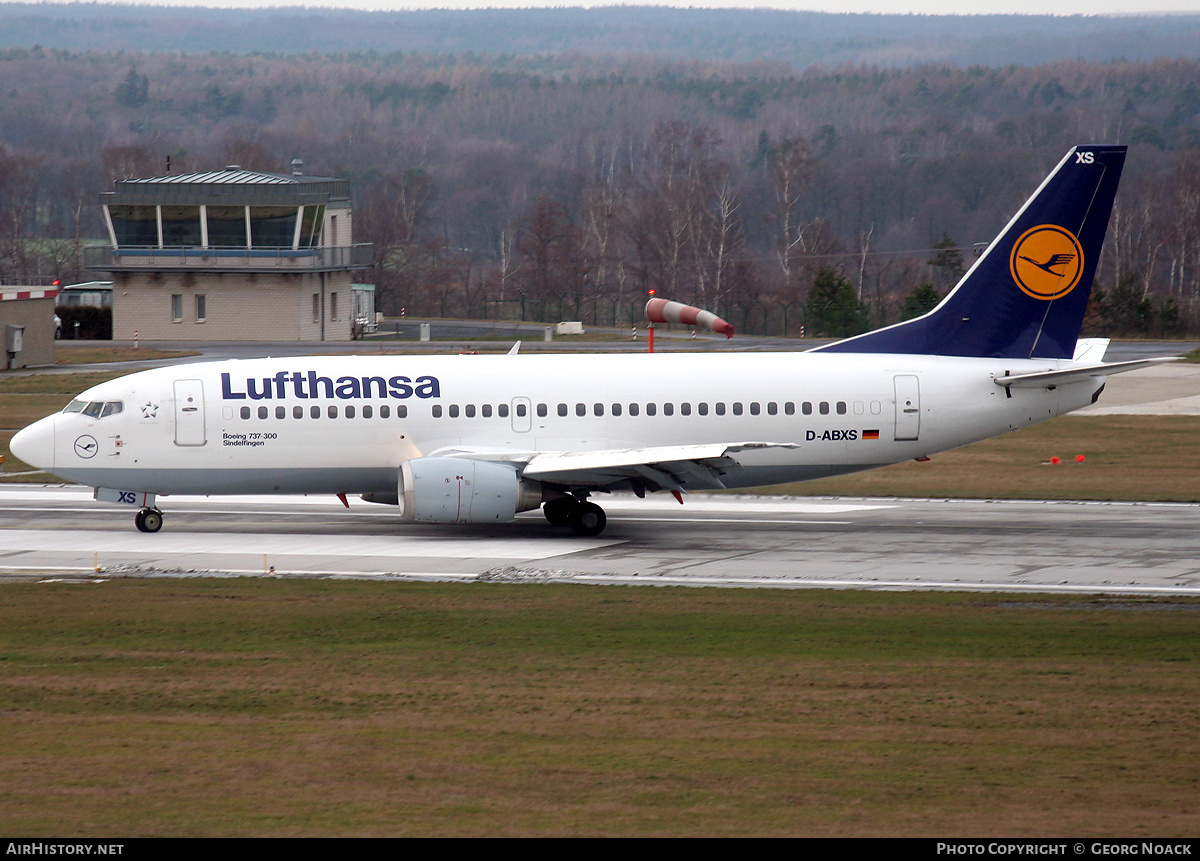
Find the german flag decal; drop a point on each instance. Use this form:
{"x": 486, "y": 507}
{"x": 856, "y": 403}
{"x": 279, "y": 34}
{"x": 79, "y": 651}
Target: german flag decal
{"x": 870, "y": 434}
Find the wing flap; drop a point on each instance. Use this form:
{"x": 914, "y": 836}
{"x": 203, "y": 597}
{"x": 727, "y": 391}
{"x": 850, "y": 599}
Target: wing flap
{"x": 678, "y": 467}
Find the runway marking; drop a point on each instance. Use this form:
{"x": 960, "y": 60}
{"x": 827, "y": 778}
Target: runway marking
{"x": 692, "y": 504}
{"x": 741, "y": 521}
{"x": 627, "y": 580}
{"x": 631, "y": 518}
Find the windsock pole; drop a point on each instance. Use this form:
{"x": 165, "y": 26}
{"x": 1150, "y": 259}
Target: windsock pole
{"x": 651, "y": 319}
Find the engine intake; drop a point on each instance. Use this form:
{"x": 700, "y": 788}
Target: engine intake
{"x": 461, "y": 490}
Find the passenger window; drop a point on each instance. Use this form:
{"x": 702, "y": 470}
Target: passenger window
{"x": 469, "y": 411}
{"x": 685, "y": 409}
{"x": 385, "y": 412}
{"x": 368, "y": 412}
{"x": 454, "y": 411}
{"x": 436, "y": 411}
{"x": 542, "y": 410}
{"x": 876, "y": 408}
{"x": 806, "y": 408}
{"x": 297, "y": 412}
{"x": 581, "y": 409}
{"x": 824, "y": 408}
{"x": 789, "y": 408}
{"x": 858, "y": 408}
{"x": 401, "y": 412}
{"x": 772, "y": 408}
{"x": 651, "y": 409}
{"x": 737, "y": 409}
{"x": 280, "y": 412}
{"x": 754, "y": 408}
{"x": 562, "y": 409}
{"x": 502, "y": 410}
{"x": 332, "y": 411}
{"x": 246, "y": 412}
{"x": 668, "y": 409}
{"x": 616, "y": 409}
{"x": 841, "y": 408}
{"x": 315, "y": 412}
{"x": 349, "y": 412}
{"x": 522, "y": 411}
{"x": 262, "y": 412}
{"x": 720, "y": 409}
{"x": 702, "y": 409}
{"x": 486, "y": 409}
{"x": 598, "y": 409}
{"x": 633, "y": 409}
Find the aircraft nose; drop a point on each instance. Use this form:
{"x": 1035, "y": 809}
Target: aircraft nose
{"x": 35, "y": 444}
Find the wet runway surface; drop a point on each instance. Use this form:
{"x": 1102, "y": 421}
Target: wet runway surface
{"x": 767, "y": 542}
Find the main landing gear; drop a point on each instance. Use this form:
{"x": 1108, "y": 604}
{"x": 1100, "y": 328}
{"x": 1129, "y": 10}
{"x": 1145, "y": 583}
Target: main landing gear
{"x": 148, "y": 520}
{"x": 585, "y": 518}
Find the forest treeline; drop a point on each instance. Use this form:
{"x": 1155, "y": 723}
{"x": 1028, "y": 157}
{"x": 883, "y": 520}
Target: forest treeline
{"x": 566, "y": 186}
{"x": 793, "y": 39}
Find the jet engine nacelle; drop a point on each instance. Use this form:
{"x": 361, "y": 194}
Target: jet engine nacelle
{"x": 461, "y": 490}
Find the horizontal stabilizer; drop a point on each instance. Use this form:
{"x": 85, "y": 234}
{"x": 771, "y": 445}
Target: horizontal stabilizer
{"x": 1042, "y": 379}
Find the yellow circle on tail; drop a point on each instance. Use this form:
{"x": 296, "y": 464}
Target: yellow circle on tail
{"x": 1046, "y": 262}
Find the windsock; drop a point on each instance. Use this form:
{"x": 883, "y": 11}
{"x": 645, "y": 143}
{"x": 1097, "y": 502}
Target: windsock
{"x": 662, "y": 311}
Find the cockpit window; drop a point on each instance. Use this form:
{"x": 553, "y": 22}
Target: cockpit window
{"x": 95, "y": 409}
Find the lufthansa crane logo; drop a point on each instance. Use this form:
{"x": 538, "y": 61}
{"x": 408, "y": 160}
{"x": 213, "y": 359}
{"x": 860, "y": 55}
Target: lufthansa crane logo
{"x": 1046, "y": 262}
{"x": 86, "y": 446}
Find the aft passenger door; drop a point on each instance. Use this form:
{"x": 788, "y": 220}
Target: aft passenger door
{"x": 189, "y": 412}
{"x": 908, "y": 407}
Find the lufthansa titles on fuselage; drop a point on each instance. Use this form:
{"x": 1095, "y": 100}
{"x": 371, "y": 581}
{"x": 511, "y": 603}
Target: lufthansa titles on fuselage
{"x": 305, "y": 385}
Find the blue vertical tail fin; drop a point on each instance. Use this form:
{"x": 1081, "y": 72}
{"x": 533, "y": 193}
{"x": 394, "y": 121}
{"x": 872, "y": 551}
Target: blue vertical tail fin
{"x": 1025, "y": 297}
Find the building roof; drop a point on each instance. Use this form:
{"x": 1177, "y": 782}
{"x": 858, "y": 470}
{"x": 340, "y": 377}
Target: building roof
{"x": 230, "y": 185}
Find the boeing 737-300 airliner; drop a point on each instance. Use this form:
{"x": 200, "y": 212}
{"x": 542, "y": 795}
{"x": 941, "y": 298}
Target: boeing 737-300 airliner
{"x": 477, "y": 439}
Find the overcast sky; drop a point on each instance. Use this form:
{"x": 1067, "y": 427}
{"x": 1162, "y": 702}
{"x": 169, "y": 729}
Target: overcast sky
{"x": 927, "y": 7}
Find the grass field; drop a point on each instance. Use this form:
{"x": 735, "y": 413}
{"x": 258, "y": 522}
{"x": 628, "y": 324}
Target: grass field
{"x": 252, "y": 707}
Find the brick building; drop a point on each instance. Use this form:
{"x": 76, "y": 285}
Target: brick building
{"x": 230, "y": 255}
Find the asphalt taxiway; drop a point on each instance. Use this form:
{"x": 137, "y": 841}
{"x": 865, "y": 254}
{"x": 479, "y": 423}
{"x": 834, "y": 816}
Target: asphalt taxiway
{"x": 766, "y": 542}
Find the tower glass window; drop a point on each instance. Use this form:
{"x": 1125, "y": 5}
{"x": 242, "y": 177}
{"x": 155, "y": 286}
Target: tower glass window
{"x": 181, "y": 226}
{"x": 226, "y": 226}
{"x": 135, "y": 225}
{"x": 272, "y": 226}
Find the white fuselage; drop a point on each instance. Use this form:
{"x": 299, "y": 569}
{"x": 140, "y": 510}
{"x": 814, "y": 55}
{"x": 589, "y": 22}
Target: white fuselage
{"x": 346, "y": 424}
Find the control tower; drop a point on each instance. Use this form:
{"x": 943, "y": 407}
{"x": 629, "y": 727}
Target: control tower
{"x": 230, "y": 255}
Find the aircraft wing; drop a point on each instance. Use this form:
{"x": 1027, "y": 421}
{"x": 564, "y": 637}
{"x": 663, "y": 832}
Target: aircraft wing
{"x": 672, "y": 467}
{"x": 1041, "y": 379}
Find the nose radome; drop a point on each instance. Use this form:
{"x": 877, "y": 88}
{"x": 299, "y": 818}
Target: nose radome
{"x": 35, "y": 444}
